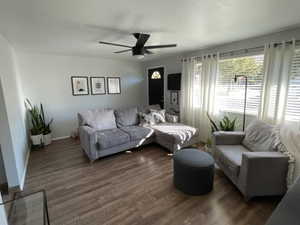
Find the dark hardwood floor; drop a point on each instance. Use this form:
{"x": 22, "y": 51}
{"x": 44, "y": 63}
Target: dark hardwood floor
{"x": 133, "y": 189}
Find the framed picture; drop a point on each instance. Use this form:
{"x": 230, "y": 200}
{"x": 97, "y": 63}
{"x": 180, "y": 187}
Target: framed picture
{"x": 98, "y": 86}
{"x": 114, "y": 85}
{"x": 80, "y": 85}
{"x": 174, "y": 97}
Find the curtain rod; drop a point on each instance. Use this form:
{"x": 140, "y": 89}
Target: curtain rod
{"x": 244, "y": 50}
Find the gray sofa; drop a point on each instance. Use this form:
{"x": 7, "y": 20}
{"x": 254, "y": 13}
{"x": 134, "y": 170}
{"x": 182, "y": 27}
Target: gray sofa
{"x": 250, "y": 160}
{"x": 288, "y": 210}
{"x": 106, "y": 131}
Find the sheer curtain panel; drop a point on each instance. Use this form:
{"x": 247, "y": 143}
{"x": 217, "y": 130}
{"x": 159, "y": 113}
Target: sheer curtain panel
{"x": 277, "y": 68}
{"x": 198, "y": 92}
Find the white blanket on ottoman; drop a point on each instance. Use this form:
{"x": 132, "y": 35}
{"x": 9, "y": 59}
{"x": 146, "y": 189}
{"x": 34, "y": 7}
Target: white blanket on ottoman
{"x": 179, "y": 132}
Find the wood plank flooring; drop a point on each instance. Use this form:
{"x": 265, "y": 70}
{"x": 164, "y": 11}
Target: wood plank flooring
{"x": 132, "y": 189}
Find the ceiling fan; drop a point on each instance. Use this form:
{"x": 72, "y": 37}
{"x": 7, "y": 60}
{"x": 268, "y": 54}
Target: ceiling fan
{"x": 139, "y": 50}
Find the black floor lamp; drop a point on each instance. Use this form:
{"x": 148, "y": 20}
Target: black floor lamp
{"x": 245, "y": 98}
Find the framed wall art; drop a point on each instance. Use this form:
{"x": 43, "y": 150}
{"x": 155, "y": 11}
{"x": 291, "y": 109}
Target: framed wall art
{"x": 174, "y": 97}
{"x": 98, "y": 86}
{"x": 114, "y": 85}
{"x": 80, "y": 85}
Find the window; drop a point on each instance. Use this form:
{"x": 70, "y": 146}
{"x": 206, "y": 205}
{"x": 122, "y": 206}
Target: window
{"x": 230, "y": 94}
{"x": 155, "y": 75}
{"x": 293, "y": 99}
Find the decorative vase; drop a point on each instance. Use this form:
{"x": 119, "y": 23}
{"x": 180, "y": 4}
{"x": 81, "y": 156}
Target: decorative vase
{"x": 47, "y": 139}
{"x": 37, "y": 139}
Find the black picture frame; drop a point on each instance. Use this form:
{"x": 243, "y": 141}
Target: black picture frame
{"x": 104, "y": 83}
{"x": 109, "y": 91}
{"x": 86, "y": 85}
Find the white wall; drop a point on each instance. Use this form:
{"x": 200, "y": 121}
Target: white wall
{"x": 13, "y": 138}
{"x": 173, "y": 63}
{"x": 6, "y": 144}
{"x": 47, "y": 79}
{"x": 249, "y": 43}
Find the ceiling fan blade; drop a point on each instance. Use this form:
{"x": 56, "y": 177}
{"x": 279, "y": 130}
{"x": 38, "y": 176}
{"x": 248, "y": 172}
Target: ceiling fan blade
{"x": 160, "y": 46}
{"x": 148, "y": 52}
{"x": 109, "y": 43}
{"x": 127, "y": 50}
{"x": 143, "y": 38}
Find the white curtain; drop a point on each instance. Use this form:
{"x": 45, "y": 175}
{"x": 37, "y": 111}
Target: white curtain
{"x": 189, "y": 102}
{"x": 198, "y": 92}
{"x": 277, "y": 66}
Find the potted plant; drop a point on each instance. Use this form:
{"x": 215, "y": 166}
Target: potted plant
{"x": 226, "y": 124}
{"x": 36, "y": 129}
{"x": 47, "y": 134}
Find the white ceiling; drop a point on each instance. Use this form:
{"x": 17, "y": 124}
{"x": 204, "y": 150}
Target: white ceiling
{"x": 76, "y": 26}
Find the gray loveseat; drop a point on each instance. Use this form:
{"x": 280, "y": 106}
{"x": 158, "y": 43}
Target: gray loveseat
{"x": 250, "y": 160}
{"x": 106, "y": 131}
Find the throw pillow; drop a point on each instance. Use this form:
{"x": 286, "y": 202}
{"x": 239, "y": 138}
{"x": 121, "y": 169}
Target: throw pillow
{"x": 283, "y": 149}
{"x": 99, "y": 119}
{"x": 159, "y": 115}
{"x": 127, "y": 117}
{"x": 172, "y": 118}
{"x": 146, "y": 119}
{"x": 259, "y": 137}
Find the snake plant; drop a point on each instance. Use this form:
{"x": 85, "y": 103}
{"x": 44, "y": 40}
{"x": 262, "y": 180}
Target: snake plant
{"x": 46, "y": 126}
{"x": 38, "y": 121}
{"x": 227, "y": 125}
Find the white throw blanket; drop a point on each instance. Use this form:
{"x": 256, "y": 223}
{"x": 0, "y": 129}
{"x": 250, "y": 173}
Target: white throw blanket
{"x": 290, "y": 145}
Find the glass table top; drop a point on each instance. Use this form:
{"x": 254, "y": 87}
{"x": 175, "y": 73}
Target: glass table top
{"x": 29, "y": 209}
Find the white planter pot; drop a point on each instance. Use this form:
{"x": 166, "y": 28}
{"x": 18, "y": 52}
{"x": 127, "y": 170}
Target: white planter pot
{"x": 47, "y": 139}
{"x": 37, "y": 139}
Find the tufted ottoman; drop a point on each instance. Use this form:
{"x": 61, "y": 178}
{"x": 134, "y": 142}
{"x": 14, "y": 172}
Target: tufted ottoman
{"x": 193, "y": 171}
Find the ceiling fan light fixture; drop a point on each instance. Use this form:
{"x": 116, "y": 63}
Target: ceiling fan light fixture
{"x": 139, "y": 56}
{"x": 138, "y": 52}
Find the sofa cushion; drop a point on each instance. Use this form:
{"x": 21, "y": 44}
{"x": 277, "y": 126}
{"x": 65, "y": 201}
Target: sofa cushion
{"x": 110, "y": 138}
{"x": 172, "y": 118}
{"x": 146, "y": 119}
{"x": 230, "y": 156}
{"x": 137, "y": 132}
{"x": 99, "y": 119}
{"x": 259, "y": 137}
{"x": 175, "y": 133}
{"x": 127, "y": 117}
{"x": 159, "y": 115}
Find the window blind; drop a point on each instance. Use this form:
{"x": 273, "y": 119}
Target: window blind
{"x": 230, "y": 94}
{"x": 293, "y": 99}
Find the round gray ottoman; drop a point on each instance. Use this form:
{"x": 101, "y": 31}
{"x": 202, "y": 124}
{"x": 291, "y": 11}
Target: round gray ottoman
{"x": 193, "y": 171}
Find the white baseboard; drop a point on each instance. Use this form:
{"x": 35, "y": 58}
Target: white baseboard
{"x": 60, "y": 138}
{"x": 23, "y": 178}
